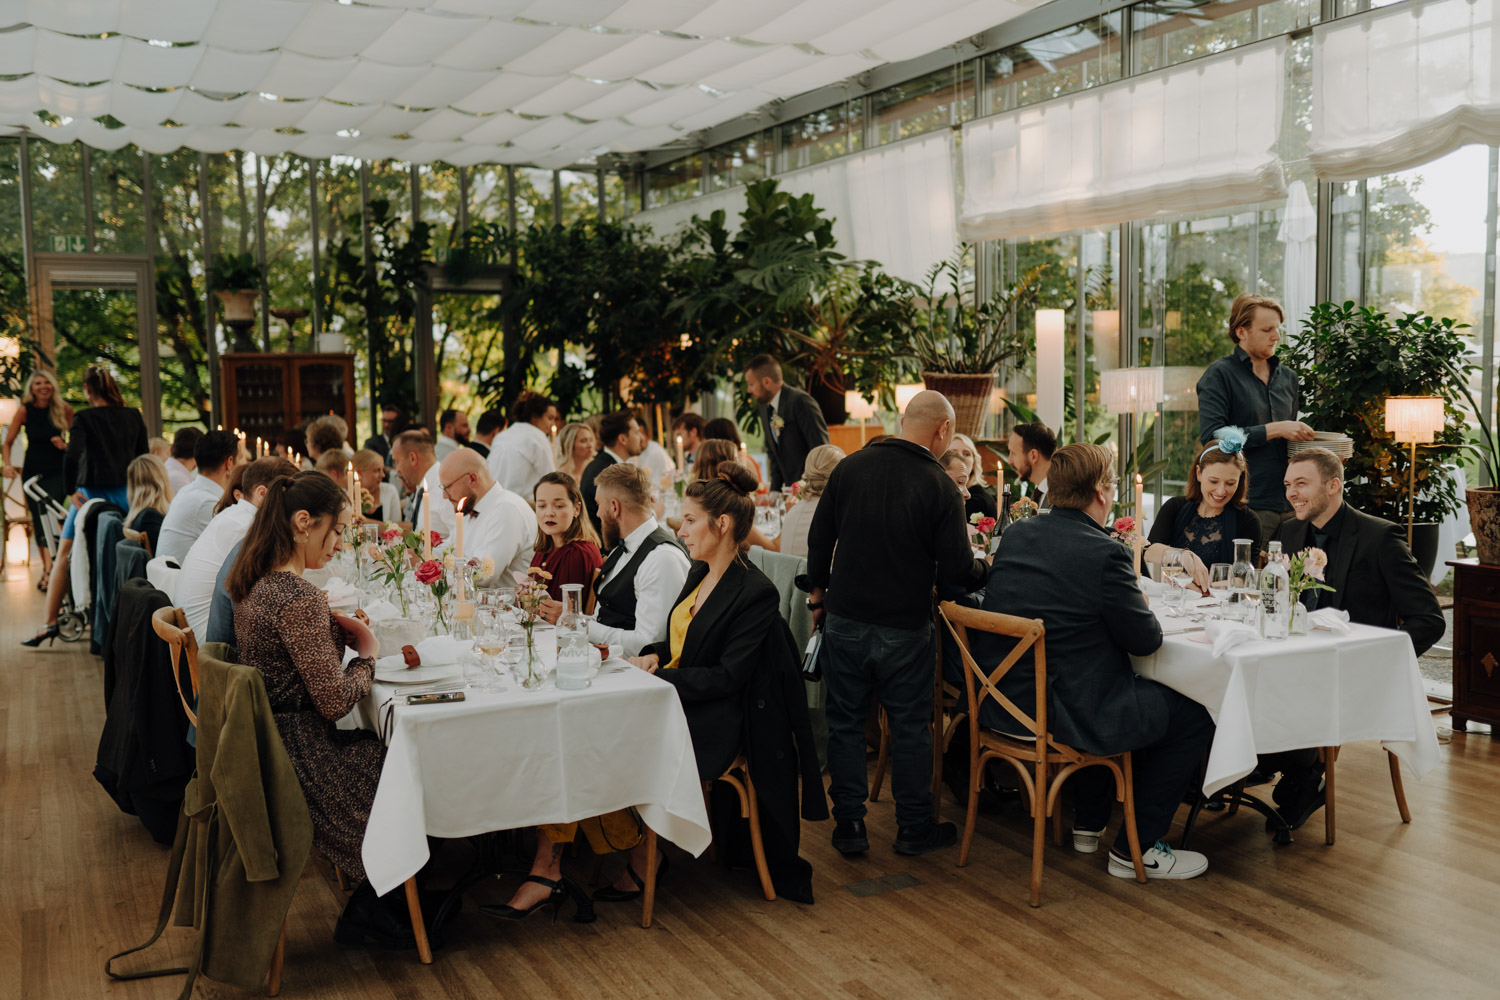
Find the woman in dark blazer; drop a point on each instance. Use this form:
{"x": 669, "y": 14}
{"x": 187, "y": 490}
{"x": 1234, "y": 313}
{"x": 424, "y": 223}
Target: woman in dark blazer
{"x": 1205, "y": 522}
{"x": 735, "y": 666}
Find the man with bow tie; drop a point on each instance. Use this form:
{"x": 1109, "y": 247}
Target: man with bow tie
{"x": 498, "y": 524}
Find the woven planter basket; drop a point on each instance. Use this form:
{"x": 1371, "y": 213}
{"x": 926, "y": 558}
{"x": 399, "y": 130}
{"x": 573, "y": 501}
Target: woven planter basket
{"x": 969, "y": 394}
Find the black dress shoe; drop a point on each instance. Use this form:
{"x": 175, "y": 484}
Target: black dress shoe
{"x": 367, "y": 918}
{"x": 849, "y": 838}
{"x": 930, "y": 836}
{"x": 1309, "y": 799}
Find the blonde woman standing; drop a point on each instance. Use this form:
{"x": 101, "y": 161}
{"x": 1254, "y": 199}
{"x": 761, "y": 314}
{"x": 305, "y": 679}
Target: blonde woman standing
{"x": 47, "y": 420}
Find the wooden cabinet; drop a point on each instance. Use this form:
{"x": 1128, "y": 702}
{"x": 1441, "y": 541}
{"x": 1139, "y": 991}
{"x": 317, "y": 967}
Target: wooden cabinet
{"x": 1476, "y": 643}
{"x": 265, "y": 394}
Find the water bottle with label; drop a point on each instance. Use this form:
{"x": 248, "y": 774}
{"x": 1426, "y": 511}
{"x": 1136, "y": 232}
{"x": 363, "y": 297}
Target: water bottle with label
{"x": 572, "y": 641}
{"x": 1275, "y": 595}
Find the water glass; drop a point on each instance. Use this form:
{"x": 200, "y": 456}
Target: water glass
{"x": 1171, "y": 571}
{"x": 1218, "y": 586}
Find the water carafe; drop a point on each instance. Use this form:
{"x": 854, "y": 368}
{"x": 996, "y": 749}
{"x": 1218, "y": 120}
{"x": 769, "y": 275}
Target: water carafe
{"x": 572, "y": 641}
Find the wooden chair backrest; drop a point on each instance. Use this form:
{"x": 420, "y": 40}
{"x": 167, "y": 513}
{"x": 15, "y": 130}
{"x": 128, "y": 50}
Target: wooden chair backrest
{"x": 591, "y": 593}
{"x": 171, "y": 625}
{"x": 979, "y": 684}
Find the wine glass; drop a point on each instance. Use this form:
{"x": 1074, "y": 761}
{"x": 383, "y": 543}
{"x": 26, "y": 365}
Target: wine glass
{"x": 1218, "y": 586}
{"x": 1171, "y": 570}
{"x": 491, "y": 644}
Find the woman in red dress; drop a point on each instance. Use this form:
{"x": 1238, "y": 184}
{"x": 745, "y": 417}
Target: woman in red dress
{"x": 566, "y": 545}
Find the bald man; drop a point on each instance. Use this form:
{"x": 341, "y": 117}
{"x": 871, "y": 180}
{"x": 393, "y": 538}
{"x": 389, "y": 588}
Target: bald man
{"x": 897, "y": 520}
{"x": 498, "y": 524}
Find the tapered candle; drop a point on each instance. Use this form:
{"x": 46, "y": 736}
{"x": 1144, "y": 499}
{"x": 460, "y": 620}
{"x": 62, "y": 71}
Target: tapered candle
{"x": 554, "y": 439}
{"x": 353, "y": 483}
{"x": 458, "y": 530}
{"x": 679, "y": 453}
{"x": 426, "y": 524}
{"x": 1137, "y": 543}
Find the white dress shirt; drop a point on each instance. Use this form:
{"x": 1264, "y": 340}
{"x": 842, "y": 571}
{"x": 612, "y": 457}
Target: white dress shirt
{"x": 178, "y": 474}
{"x": 519, "y": 456}
{"x": 200, "y": 567}
{"x": 443, "y": 517}
{"x": 445, "y": 446}
{"x": 658, "y": 581}
{"x": 187, "y": 517}
{"x": 390, "y": 502}
{"x": 656, "y": 461}
{"x": 504, "y": 529}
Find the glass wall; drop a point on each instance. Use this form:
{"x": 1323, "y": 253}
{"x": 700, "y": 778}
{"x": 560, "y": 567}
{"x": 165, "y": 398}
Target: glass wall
{"x": 1074, "y": 58}
{"x": 934, "y": 101}
{"x": 815, "y": 138}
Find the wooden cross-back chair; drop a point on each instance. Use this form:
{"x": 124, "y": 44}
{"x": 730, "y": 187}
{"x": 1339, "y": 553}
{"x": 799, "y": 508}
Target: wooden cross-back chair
{"x": 1041, "y": 763}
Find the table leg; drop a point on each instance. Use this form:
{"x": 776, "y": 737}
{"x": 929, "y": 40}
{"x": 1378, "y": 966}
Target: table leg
{"x": 649, "y": 899}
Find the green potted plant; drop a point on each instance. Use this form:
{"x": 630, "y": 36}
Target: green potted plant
{"x": 960, "y": 345}
{"x": 1350, "y": 359}
{"x": 234, "y": 278}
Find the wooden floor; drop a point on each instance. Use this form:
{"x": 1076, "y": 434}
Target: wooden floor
{"x": 1390, "y": 911}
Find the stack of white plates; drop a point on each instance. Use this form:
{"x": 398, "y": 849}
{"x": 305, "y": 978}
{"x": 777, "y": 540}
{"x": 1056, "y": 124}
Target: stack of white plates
{"x": 1340, "y": 444}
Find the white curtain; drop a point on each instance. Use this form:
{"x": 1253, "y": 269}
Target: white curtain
{"x": 1399, "y": 86}
{"x": 1191, "y": 138}
{"x": 894, "y": 204}
{"x": 1299, "y": 231}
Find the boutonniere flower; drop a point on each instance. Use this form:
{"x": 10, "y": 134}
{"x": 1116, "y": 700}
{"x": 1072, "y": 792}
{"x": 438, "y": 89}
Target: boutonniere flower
{"x": 777, "y": 423}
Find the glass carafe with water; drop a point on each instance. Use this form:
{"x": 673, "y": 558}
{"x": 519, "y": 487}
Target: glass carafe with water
{"x": 1244, "y": 584}
{"x": 572, "y": 640}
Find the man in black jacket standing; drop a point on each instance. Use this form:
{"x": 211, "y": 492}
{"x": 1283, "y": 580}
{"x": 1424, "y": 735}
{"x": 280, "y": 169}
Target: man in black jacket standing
{"x": 790, "y": 419}
{"x": 1374, "y": 577}
{"x": 898, "y": 523}
{"x": 1065, "y": 569}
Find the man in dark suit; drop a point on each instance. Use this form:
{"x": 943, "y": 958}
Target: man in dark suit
{"x": 1066, "y": 570}
{"x": 392, "y": 422}
{"x": 622, "y": 438}
{"x": 790, "y": 419}
{"x": 1374, "y": 578}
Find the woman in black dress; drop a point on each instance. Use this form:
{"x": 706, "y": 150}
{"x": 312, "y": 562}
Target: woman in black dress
{"x": 46, "y": 419}
{"x": 1205, "y": 522}
{"x": 150, "y": 494}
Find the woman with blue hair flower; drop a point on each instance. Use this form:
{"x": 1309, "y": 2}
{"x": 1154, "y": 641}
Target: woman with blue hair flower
{"x": 1205, "y": 522}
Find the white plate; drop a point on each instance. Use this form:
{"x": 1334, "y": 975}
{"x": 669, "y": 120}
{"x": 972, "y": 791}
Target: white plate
{"x": 420, "y": 675}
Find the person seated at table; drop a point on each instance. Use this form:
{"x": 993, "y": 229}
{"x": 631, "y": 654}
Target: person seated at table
{"x": 284, "y": 628}
{"x": 957, "y": 469}
{"x": 416, "y": 466}
{"x": 981, "y": 499}
{"x": 724, "y": 429}
{"x": 1204, "y": 523}
{"x": 736, "y": 668}
{"x": 797, "y": 521}
{"x": 335, "y": 465}
{"x": 715, "y": 454}
{"x": 150, "y": 493}
{"x": 497, "y": 523}
{"x": 566, "y": 545}
{"x": 1374, "y": 578}
{"x": 1066, "y": 570}
{"x": 217, "y": 453}
{"x": 645, "y": 567}
{"x": 384, "y": 501}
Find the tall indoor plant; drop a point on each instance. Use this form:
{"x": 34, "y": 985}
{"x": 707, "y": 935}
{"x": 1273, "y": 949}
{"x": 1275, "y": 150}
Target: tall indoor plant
{"x": 1350, "y": 359}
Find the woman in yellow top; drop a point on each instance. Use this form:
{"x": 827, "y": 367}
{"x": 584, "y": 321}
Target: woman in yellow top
{"x": 732, "y": 660}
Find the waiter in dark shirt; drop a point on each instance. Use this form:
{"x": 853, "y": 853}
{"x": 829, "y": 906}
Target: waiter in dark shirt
{"x": 898, "y": 522}
{"x": 1251, "y": 389}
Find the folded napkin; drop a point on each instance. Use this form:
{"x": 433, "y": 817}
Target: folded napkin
{"x": 1333, "y": 619}
{"x": 435, "y": 651}
{"x": 340, "y": 590}
{"x": 381, "y": 609}
{"x": 1227, "y": 635}
{"x": 1149, "y": 587}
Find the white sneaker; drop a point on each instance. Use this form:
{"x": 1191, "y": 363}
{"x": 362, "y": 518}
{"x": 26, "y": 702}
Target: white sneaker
{"x": 1160, "y": 862}
{"x": 1086, "y": 841}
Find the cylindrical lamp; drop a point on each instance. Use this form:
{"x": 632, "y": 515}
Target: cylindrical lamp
{"x": 1413, "y": 420}
{"x": 904, "y": 393}
{"x": 1051, "y": 352}
{"x": 857, "y": 407}
{"x": 1131, "y": 390}
{"x": 1106, "y": 339}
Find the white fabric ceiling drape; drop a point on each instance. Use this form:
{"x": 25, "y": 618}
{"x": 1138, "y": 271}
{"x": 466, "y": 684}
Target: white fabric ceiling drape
{"x": 894, "y": 204}
{"x": 1191, "y": 138}
{"x": 1400, "y": 86}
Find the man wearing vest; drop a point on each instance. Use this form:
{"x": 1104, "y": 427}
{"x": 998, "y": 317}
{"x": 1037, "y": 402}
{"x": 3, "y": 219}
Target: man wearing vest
{"x": 646, "y": 566}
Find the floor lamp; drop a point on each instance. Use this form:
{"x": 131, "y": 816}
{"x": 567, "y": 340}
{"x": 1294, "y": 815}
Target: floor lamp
{"x": 1413, "y": 420}
{"x": 858, "y": 408}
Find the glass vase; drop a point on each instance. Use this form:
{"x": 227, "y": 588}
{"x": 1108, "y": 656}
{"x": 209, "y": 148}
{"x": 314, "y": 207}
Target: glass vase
{"x": 1299, "y": 622}
{"x": 530, "y": 671}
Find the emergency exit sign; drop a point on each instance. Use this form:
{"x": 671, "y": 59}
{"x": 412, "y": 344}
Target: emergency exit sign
{"x": 69, "y": 244}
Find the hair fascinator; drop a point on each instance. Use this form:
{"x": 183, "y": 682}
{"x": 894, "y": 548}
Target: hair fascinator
{"x": 1230, "y": 440}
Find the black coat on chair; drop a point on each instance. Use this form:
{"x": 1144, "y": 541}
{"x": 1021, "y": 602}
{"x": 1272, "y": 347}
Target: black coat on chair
{"x": 740, "y": 682}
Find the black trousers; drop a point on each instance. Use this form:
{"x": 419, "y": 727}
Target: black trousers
{"x": 1164, "y": 770}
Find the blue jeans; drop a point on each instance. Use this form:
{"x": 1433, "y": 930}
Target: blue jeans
{"x": 116, "y": 495}
{"x": 895, "y": 666}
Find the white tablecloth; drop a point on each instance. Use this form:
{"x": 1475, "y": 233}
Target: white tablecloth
{"x": 1316, "y": 690}
{"x": 518, "y": 758}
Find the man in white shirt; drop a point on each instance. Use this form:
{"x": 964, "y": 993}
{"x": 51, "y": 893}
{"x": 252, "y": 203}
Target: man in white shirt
{"x": 416, "y": 465}
{"x": 181, "y": 463}
{"x": 200, "y": 568}
{"x": 498, "y": 524}
{"x": 646, "y": 568}
{"x": 522, "y": 453}
{"x": 653, "y": 457}
{"x": 216, "y": 453}
{"x": 453, "y": 429}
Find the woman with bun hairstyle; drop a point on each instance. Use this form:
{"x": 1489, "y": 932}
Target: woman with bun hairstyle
{"x": 736, "y": 668}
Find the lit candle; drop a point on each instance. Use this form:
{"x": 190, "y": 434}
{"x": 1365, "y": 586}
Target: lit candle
{"x": 426, "y": 524}
{"x": 554, "y": 439}
{"x": 458, "y": 531}
{"x": 679, "y": 453}
{"x": 744, "y": 455}
{"x": 260, "y": 447}
{"x": 353, "y": 484}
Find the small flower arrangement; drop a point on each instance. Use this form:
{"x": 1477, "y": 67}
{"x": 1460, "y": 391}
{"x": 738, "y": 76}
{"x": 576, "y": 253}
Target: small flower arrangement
{"x": 531, "y": 591}
{"x": 430, "y": 574}
{"x": 1305, "y": 571}
{"x": 1022, "y": 508}
{"x": 394, "y": 557}
{"x": 982, "y": 530}
{"x": 1123, "y": 530}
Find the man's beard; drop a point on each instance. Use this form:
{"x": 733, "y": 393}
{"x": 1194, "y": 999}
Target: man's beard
{"x": 610, "y": 529}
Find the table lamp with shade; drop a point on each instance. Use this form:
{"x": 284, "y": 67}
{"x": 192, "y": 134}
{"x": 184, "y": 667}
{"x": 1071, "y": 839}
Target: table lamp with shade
{"x": 856, "y": 407}
{"x": 904, "y": 394}
{"x": 1413, "y": 420}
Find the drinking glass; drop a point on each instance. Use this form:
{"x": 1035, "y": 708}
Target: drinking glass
{"x": 1218, "y": 586}
{"x": 491, "y": 646}
{"x": 1171, "y": 570}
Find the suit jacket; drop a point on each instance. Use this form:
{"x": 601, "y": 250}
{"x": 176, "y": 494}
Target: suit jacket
{"x": 601, "y": 461}
{"x": 380, "y": 446}
{"x": 802, "y": 430}
{"x": 1374, "y": 576}
{"x": 1066, "y": 570}
{"x": 740, "y": 682}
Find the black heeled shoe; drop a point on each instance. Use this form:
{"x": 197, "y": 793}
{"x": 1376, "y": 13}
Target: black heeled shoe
{"x": 609, "y": 894}
{"x": 561, "y": 888}
{"x": 367, "y": 917}
{"x": 49, "y": 633}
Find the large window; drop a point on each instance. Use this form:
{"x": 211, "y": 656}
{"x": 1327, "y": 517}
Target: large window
{"x": 675, "y": 181}
{"x": 934, "y": 101}
{"x": 1074, "y": 58}
{"x": 821, "y": 136}
{"x": 743, "y": 161}
{"x": 1167, "y": 32}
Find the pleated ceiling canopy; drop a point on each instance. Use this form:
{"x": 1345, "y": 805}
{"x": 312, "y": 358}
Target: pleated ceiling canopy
{"x": 545, "y": 82}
